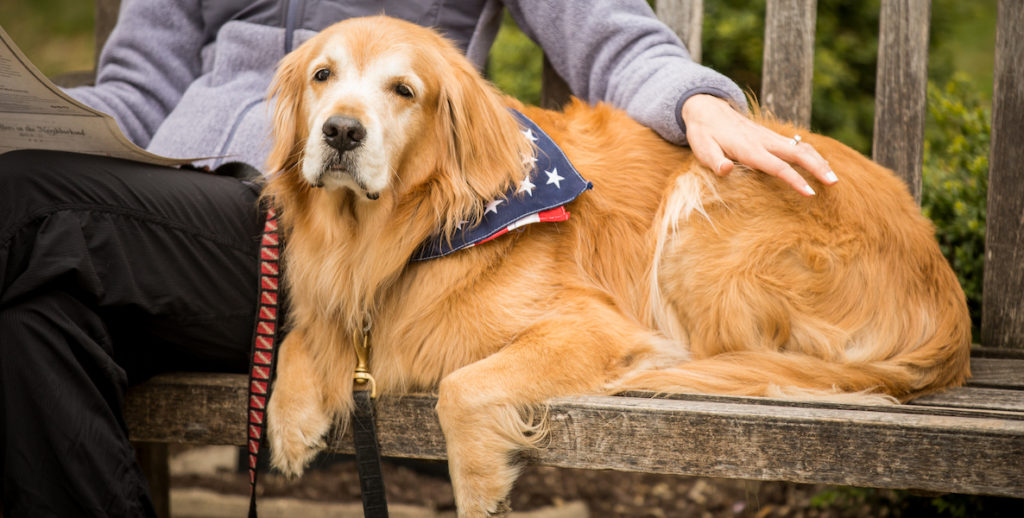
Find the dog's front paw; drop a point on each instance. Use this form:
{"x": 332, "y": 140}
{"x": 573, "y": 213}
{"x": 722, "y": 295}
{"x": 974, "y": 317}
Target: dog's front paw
{"x": 499, "y": 509}
{"x": 502, "y": 509}
{"x": 296, "y": 436}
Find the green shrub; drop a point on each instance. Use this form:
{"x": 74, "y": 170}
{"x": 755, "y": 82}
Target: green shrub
{"x": 955, "y": 180}
{"x": 514, "y": 63}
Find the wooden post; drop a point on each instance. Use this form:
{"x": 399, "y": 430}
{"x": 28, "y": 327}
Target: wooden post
{"x": 789, "y": 59}
{"x": 1002, "y": 322}
{"x": 901, "y": 89}
{"x": 152, "y": 457}
{"x": 686, "y": 19}
{"x": 106, "y": 17}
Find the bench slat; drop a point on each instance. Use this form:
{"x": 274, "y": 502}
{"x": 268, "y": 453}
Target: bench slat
{"x": 728, "y": 437}
{"x": 1003, "y": 312}
{"x": 105, "y": 19}
{"x": 1007, "y": 404}
{"x": 789, "y": 59}
{"x": 997, "y": 373}
{"x": 686, "y": 19}
{"x": 901, "y": 89}
{"x": 816, "y": 445}
{"x": 976, "y": 399}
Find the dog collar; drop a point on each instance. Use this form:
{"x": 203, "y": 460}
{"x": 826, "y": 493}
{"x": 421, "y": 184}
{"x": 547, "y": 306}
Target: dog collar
{"x": 541, "y": 197}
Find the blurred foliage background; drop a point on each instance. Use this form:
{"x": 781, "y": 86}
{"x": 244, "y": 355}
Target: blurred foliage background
{"x": 57, "y": 36}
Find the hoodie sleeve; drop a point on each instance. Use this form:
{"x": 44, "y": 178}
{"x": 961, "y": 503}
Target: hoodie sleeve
{"x": 619, "y": 52}
{"x": 151, "y": 57}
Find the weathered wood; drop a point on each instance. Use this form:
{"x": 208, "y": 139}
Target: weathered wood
{"x": 901, "y": 89}
{"x": 948, "y": 449}
{"x": 997, "y": 373}
{"x": 1003, "y": 294}
{"x": 554, "y": 91}
{"x": 853, "y": 447}
{"x": 106, "y": 17}
{"x": 976, "y": 398}
{"x": 686, "y": 19}
{"x": 189, "y": 408}
{"x": 788, "y": 71}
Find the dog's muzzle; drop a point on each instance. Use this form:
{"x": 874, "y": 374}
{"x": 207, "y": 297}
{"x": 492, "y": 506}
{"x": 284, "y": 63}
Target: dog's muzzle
{"x": 343, "y": 133}
{"x": 342, "y": 136}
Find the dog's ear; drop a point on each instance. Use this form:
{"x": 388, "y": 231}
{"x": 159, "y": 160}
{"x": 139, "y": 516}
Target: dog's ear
{"x": 483, "y": 150}
{"x": 288, "y": 123}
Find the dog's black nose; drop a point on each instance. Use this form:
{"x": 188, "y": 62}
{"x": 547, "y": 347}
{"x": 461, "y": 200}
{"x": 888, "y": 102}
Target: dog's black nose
{"x": 344, "y": 133}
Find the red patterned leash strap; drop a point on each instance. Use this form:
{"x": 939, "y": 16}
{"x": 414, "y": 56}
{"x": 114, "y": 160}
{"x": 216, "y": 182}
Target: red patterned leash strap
{"x": 264, "y": 346}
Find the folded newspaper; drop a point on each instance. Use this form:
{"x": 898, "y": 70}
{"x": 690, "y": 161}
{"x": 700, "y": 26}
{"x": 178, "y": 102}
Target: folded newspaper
{"x": 37, "y": 114}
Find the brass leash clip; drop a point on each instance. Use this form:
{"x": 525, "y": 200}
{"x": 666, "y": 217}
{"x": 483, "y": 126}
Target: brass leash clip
{"x": 362, "y": 374}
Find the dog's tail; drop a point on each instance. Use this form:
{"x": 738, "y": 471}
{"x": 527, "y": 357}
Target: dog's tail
{"x": 777, "y": 374}
{"x": 940, "y": 362}
{"x": 938, "y": 358}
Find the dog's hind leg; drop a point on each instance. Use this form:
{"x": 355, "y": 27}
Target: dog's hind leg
{"x": 486, "y": 408}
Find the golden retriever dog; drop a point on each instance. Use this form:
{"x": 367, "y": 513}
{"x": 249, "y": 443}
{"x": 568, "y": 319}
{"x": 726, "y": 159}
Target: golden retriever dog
{"x": 666, "y": 278}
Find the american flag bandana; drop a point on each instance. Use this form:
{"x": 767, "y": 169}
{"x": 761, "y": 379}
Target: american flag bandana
{"x": 550, "y": 184}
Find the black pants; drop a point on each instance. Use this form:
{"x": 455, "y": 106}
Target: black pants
{"x": 110, "y": 271}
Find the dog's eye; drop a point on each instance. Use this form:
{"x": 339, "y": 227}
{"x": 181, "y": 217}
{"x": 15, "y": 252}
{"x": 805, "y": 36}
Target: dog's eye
{"x": 403, "y": 90}
{"x": 321, "y": 75}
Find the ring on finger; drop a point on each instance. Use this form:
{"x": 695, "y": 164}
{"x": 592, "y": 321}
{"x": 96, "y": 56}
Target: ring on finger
{"x": 795, "y": 140}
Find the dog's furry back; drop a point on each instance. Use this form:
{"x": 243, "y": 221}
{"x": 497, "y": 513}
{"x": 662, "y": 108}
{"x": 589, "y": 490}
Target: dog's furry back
{"x": 846, "y": 291}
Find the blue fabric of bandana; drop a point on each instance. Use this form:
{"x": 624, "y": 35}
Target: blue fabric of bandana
{"x": 550, "y": 184}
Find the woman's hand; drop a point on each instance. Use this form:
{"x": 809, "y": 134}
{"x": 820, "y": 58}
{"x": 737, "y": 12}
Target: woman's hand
{"x": 719, "y": 135}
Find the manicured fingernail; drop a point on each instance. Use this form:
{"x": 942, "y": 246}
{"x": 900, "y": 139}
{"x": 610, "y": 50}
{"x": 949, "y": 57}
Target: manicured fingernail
{"x": 831, "y": 177}
{"x": 724, "y": 165}
{"x": 808, "y": 190}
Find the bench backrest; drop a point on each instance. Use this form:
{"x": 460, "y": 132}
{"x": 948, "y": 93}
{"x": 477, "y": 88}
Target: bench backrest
{"x": 898, "y": 140}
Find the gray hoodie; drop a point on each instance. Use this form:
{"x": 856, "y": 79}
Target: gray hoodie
{"x": 188, "y": 78}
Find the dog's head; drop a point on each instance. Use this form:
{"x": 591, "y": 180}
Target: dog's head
{"x": 382, "y": 107}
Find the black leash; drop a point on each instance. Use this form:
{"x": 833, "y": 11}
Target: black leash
{"x": 262, "y": 365}
{"x": 364, "y": 432}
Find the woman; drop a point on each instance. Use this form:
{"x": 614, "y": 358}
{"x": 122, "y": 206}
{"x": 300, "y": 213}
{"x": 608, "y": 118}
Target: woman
{"x": 111, "y": 271}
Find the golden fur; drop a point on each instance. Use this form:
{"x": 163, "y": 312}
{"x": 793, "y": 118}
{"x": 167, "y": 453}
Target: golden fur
{"x": 667, "y": 277}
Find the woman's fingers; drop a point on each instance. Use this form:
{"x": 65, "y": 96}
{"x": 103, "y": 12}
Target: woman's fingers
{"x": 710, "y": 154}
{"x": 768, "y": 163}
{"x": 718, "y": 135}
{"x": 795, "y": 151}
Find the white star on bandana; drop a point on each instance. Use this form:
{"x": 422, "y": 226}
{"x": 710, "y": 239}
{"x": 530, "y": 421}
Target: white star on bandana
{"x": 547, "y": 201}
{"x": 527, "y": 186}
{"x": 529, "y": 162}
{"x": 493, "y": 206}
{"x": 553, "y": 177}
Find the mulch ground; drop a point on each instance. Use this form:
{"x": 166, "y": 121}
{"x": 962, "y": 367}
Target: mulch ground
{"x": 614, "y": 494}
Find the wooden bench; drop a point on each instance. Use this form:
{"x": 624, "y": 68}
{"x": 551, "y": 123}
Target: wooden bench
{"x": 967, "y": 440}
